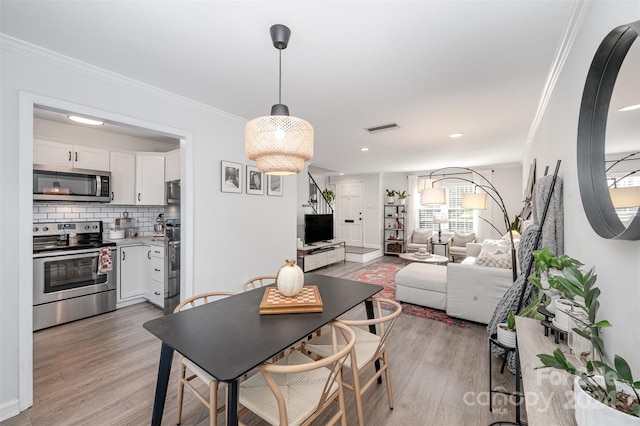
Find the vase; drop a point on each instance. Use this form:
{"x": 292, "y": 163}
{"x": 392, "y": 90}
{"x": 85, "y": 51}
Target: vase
{"x": 591, "y": 412}
{"x": 506, "y": 337}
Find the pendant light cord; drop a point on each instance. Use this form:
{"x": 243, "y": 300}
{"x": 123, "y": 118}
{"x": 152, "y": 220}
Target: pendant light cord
{"x": 280, "y": 76}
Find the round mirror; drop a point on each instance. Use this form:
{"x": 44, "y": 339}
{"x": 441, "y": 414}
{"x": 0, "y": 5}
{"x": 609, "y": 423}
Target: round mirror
{"x": 594, "y": 162}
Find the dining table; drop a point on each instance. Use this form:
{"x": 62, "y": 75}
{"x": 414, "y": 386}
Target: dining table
{"x": 229, "y": 337}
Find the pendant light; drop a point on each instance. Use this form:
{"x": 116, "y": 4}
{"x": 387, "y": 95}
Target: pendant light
{"x": 279, "y": 144}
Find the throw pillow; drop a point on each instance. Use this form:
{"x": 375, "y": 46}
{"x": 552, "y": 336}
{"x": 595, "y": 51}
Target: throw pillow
{"x": 461, "y": 240}
{"x": 421, "y": 236}
{"x": 496, "y": 260}
{"x": 493, "y": 246}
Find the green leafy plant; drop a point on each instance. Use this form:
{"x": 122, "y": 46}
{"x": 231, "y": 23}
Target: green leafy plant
{"x": 390, "y": 192}
{"x": 511, "y": 321}
{"x": 516, "y": 225}
{"x": 581, "y": 289}
{"x": 545, "y": 261}
{"x": 329, "y": 195}
{"x": 402, "y": 195}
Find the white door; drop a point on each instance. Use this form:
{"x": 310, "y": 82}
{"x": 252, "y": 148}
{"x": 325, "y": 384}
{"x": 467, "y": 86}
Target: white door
{"x": 349, "y": 213}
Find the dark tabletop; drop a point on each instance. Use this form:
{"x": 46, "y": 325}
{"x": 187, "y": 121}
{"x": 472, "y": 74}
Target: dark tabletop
{"x": 228, "y": 337}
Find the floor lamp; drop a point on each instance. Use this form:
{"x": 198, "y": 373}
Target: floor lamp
{"x": 475, "y": 201}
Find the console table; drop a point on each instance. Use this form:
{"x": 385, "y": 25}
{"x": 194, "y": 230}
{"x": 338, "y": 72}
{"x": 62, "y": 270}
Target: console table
{"x": 548, "y": 391}
{"x": 319, "y": 255}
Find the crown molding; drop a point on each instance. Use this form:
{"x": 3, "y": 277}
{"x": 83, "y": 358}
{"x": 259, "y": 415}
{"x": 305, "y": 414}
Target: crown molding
{"x": 56, "y": 59}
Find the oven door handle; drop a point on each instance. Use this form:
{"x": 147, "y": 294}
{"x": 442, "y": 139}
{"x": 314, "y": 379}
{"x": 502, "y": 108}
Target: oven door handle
{"x": 75, "y": 254}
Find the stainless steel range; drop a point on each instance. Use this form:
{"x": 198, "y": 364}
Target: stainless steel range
{"x": 67, "y": 283}
{"x": 172, "y": 265}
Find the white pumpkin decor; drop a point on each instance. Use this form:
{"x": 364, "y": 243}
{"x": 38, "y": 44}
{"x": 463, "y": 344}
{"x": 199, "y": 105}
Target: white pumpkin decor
{"x": 290, "y": 278}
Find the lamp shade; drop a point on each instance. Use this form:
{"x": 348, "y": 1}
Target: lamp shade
{"x": 433, "y": 196}
{"x": 474, "y": 201}
{"x": 440, "y": 218}
{"x": 279, "y": 144}
{"x": 625, "y": 197}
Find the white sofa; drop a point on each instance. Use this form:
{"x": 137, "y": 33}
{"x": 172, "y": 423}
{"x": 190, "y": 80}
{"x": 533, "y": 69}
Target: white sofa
{"x": 464, "y": 290}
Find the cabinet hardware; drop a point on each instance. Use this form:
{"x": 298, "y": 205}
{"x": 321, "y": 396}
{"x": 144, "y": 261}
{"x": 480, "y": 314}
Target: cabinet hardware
{"x": 111, "y": 195}
{"x": 349, "y": 221}
{"x": 123, "y": 255}
{"x": 156, "y": 293}
{"x": 149, "y": 254}
{"x": 156, "y": 269}
{"x": 76, "y": 156}
{"x": 69, "y": 155}
{"x": 138, "y": 196}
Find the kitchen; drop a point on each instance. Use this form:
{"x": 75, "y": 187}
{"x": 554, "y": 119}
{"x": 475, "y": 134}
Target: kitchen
{"x": 104, "y": 194}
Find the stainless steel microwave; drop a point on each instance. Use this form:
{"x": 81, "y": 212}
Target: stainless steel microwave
{"x": 64, "y": 184}
{"x": 173, "y": 192}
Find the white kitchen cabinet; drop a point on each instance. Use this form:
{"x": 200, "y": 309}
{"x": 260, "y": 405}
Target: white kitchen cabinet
{"x": 123, "y": 175}
{"x": 67, "y": 155}
{"x": 132, "y": 270}
{"x": 150, "y": 179}
{"x": 172, "y": 166}
{"x": 154, "y": 283}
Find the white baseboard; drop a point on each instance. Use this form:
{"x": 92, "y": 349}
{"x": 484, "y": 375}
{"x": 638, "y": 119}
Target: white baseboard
{"x": 9, "y": 409}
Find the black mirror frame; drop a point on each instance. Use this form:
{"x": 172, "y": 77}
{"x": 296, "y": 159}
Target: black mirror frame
{"x": 592, "y": 126}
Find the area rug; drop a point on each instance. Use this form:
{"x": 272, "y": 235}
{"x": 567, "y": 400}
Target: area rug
{"x": 383, "y": 274}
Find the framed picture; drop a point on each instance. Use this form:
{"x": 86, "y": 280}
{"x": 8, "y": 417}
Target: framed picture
{"x": 231, "y": 177}
{"x": 274, "y": 185}
{"x": 255, "y": 180}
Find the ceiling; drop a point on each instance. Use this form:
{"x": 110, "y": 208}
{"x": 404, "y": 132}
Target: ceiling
{"x": 433, "y": 67}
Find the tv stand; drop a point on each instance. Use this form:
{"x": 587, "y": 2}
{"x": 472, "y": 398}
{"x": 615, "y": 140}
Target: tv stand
{"x": 317, "y": 255}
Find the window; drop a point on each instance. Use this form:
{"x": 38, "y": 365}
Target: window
{"x": 459, "y": 219}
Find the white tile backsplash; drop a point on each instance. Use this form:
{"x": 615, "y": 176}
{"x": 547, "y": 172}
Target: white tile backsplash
{"x": 145, "y": 217}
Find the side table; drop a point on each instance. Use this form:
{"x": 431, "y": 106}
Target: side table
{"x": 493, "y": 340}
{"x": 445, "y": 247}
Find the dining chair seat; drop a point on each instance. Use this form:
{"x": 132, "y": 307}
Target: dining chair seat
{"x": 301, "y": 391}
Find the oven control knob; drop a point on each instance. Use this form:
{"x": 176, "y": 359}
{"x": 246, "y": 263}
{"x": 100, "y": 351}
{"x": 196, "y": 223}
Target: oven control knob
{"x": 86, "y": 227}
{"x": 95, "y": 226}
{"x": 45, "y": 229}
{"x": 35, "y": 229}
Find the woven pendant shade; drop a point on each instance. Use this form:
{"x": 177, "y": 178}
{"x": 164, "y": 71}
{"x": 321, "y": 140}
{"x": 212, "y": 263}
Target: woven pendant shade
{"x": 279, "y": 144}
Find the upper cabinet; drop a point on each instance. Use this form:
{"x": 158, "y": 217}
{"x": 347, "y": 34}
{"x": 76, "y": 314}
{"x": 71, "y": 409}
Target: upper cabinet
{"x": 123, "y": 175}
{"x": 150, "y": 179}
{"x": 172, "y": 166}
{"x": 67, "y": 155}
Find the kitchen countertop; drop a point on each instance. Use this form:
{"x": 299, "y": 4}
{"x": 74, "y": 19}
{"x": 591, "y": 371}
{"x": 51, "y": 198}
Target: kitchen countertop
{"x": 152, "y": 241}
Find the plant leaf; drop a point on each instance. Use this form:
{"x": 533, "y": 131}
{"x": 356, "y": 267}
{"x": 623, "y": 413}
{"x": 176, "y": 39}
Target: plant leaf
{"x": 603, "y": 323}
{"x": 623, "y": 369}
{"x": 636, "y": 410}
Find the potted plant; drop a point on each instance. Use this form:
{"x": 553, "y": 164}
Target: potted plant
{"x": 507, "y": 331}
{"x": 401, "y": 197}
{"x": 547, "y": 267}
{"x": 604, "y": 393}
{"x": 329, "y": 195}
{"x": 390, "y": 194}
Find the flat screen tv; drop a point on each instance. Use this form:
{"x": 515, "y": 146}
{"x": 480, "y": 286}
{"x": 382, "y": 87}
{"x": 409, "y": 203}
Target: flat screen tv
{"x": 318, "y": 227}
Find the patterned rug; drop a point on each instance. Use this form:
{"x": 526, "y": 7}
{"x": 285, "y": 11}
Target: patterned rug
{"x": 383, "y": 274}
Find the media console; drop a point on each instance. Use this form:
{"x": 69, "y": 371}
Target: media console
{"x": 320, "y": 254}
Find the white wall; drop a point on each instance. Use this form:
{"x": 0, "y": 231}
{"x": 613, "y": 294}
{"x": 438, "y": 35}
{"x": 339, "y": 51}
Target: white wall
{"x": 235, "y": 236}
{"x": 617, "y": 263}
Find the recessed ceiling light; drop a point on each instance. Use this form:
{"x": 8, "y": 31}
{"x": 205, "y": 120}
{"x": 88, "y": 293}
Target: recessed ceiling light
{"x": 84, "y": 120}
{"x": 629, "y": 108}
{"x": 364, "y": 149}
{"x": 456, "y": 135}
{"x": 341, "y": 174}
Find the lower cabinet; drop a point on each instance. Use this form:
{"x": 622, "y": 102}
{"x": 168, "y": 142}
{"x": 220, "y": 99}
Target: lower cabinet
{"x": 142, "y": 274}
{"x": 132, "y": 272}
{"x": 154, "y": 284}
{"x": 316, "y": 257}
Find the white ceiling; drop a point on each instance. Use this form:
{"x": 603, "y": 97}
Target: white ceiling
{"x": 432, "y": 67}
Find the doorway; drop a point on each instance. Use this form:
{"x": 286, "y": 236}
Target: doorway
{"x": 28, "y": 103}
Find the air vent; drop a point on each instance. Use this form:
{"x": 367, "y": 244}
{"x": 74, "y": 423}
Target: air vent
{"x": 383, "y": 127}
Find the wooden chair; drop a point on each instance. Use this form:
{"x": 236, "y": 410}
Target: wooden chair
{"x": 256, "y": 282}
{"x": 368, "y": 349}
{"x": 301, "y": 387}
{"x": 210, "y": 401}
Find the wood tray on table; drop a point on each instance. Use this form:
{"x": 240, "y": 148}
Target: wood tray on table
{"x": 308, "y": 300}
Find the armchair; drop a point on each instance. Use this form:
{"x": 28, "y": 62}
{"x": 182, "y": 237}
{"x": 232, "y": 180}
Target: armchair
{"x": 420, "y": 238}
{"x": 458, "y": 245}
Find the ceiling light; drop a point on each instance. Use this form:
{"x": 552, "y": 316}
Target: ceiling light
{"x": 363, "y": 149}
{"x": 341, "y": 174}
{"x": 84, "y": 120}
{"x": 629, "y": 108}
{"x": 279, "y": 144}
{"x": 456, "y": 135}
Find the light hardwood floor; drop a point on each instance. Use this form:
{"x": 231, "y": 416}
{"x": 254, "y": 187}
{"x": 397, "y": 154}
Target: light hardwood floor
{"x": 102, "y": 371}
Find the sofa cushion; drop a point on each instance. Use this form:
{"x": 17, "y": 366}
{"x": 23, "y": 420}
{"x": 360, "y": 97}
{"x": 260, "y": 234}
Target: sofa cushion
{"x": 421, "y": 236}
{"x": 461, "y": 240}
{"x": 498, "y": 259}
{"x": 495, "y": 246}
